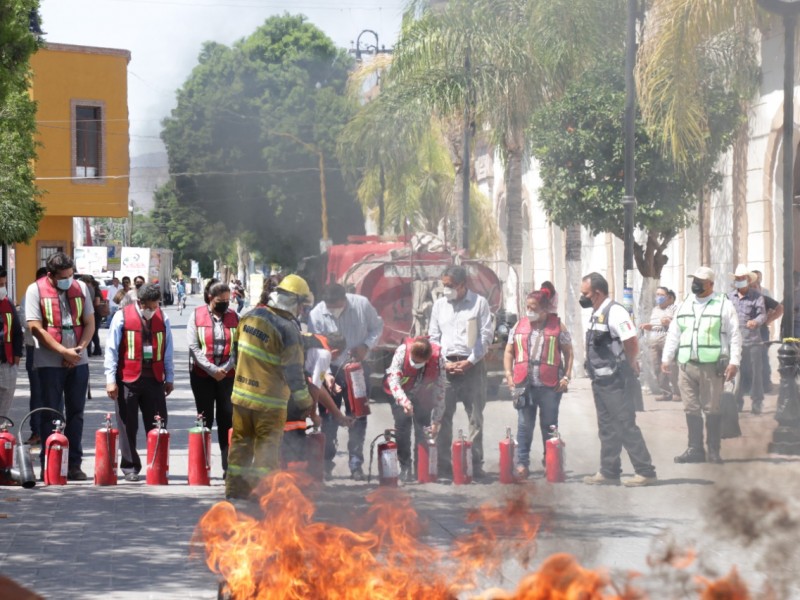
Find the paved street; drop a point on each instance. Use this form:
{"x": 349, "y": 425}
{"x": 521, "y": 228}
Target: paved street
{"x": 133, "y": 541}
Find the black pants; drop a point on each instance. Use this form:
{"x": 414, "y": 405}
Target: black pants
{"x": 752, "y": 372}
{"x": 617, "y": 429}
{"x": 145, "y": 395}
{"x": 469, "y": 388}
{"x": 403, "y": 424}
{"x": 212, "y": 397}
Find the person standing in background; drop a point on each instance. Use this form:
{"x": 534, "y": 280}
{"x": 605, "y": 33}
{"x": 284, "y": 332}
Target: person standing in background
{"x": 33, "y": 374}
{"x": 774, "y": 312}
{"x": 11, "y": 354}
{"x": 660, "y": 318}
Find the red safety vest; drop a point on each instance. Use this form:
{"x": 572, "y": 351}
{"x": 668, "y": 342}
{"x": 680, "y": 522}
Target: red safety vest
{"x": 132, "y": 345}
{"x": 550, "y": 359}
{"x": 205, "y": 335}
{"x": 408, "y": 376}
{"x": 51, "y": 308}
{"x": 7, "y": 314}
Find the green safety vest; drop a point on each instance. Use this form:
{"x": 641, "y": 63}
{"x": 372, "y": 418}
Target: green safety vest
{"x": 702, "y": 333}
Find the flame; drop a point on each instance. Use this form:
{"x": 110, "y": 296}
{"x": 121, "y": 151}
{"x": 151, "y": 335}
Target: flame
{"x": 283, "y": 553}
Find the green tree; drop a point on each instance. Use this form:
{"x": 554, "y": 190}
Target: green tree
{"x": 580, "y": 149}
{"x": 19, "y": 203}
{"x": 246, "y": 135}
{"x": 497, "y": 61}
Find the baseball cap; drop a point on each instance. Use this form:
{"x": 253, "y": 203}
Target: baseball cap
{"x": 703, "y": 273}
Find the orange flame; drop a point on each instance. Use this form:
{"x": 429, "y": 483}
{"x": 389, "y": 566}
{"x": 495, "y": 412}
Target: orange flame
{"x": 285, "y": 554}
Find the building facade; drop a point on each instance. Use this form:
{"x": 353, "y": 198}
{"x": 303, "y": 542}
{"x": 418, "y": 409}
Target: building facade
{"x": 82, "y": 165}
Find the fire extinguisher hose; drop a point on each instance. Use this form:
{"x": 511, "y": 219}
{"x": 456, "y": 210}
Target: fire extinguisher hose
{"x": 35, "y": 410}
{"x": 9, "y": 421}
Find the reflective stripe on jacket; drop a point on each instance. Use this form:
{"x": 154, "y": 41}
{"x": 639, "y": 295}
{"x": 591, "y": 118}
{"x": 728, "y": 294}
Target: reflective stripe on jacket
{"x": 549, "y": 360}
{"x": 131, "y": 351}
{"x": 704, "y": 333}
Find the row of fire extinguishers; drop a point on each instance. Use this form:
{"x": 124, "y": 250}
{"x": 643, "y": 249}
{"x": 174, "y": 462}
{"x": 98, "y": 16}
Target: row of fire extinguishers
{"x": 427, "y": 469}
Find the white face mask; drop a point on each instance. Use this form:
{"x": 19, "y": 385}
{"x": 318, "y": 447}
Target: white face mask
{"x": 740, "y": 284}
{"x": 337, "y": 312}
{"x": 148, "y": 313}
{"x": 3, "y": 293}
{"x": 533, "y": 315}
{"x": 450, "y": 294}
{"x": 415, "y": 365}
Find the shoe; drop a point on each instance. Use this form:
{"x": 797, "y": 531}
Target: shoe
{"x": 75, "y": 474}
{"x": 664, "y": 398}
{"x": 676, "y": 398}
{"x": 521, "y": 472}
{"x": 478, "y": 473}
{"x": 357, "y": 474}
{"x": 640, "y": 481}
{"x": 756, "y": 408}
{"x": 692, "y": 455}
{"x": 406, "y": 475}
{"x": 600, "y": 479}
{"x": 132, "y": 477}
{"x": 33, "y": 440}
{"x": 714, "y": 457}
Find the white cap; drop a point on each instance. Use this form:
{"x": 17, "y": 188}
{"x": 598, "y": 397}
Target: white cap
{"x": 703, "y": 273}
{"x": 742, "y": 271}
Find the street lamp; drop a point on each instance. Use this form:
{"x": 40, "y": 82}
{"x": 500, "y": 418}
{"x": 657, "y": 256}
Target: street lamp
{"x": 786, "y": 437}
{"x": 358, "y": 50}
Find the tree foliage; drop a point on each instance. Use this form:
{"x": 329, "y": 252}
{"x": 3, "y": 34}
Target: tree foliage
{"x": 579, "y": 144}
{"x": 250, "y": 123}
{"x": 19, "y": 203}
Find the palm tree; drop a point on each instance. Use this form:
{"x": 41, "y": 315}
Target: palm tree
{"x": 679, "y": 36}
{"x": 496, "y": 61}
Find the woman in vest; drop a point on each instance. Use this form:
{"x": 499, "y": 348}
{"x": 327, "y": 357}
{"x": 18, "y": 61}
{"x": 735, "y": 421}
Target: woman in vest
{"x": 538, "y": 360}
{"x": 416, "y": 381}
{"x": 211, "y": 335}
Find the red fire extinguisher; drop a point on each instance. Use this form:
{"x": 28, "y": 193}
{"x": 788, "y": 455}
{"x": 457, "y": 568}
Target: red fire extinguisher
{"x": 315, "y": 453}
{"x": 158, "y": 454}
{"x": 427, "y": 458}
{"x": 462, "y": 459}
{"x": 105, "y": 460}
{"x": 7, "y": 443}
{"x": 508, "y": 447}
{"x": 388, "y": 464}
{"x": 357, "y": 394}
{"x": 56, "y": 457}
{"x": 199, "y": 453}
{"x": 555, "y": 457}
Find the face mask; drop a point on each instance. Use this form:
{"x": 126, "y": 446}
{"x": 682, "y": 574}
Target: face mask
{"x": 138, "y": 285}
{"x": 697, "y": 288}
{"x": 337, "y": 312}
{"x": 148, "y": 313}
{"x": 585, "y": 302}
{"x": 740, "y": 284}
{"x": 415, "y": 365}
{"x": 450, "y": 294}
{"x": 221, "y": 307}
{"x": 3, "y": 293}
{"x": 660, "y": 300}
{"x": 533, "y": 315}
{"x": 64, "y": 284}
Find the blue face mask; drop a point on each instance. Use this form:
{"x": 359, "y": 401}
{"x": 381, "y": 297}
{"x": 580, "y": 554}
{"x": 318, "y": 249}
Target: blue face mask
{"x": 660, "y": 300}
{"x": 64, "y": 284}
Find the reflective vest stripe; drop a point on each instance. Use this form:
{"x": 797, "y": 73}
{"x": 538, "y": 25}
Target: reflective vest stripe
{"x": 159, "y": 350}
{"x": 48, "y": 309}
{"x": 9, "y": 321}
{"x": 201, "y": 336}
{"x": 258, "y": 353}
{"x": 247, "y": 397}
{"x": 703, "y": 333}
{"x": 79, "y": 305}
{"x": 131, "y": 344}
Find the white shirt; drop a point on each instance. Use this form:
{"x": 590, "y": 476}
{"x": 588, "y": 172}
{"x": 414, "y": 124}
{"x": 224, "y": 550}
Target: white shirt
{"x": 451, "y": 323}
{"x": 730, "y": 336}
{"x": 112, "y": 291}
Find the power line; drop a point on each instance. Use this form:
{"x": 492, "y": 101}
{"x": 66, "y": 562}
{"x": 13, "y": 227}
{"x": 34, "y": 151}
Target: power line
{"x": 273, "y": 4}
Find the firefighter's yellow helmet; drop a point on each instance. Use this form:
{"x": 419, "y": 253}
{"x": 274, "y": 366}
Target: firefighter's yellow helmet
{"x": 294, "y": 284}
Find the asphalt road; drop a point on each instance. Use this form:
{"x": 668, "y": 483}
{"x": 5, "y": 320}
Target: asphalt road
{"x": 134, "y": 541}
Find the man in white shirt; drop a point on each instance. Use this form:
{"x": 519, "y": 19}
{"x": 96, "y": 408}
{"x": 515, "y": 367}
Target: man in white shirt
{"x": 612, "y": 350}
{"x": 461, "y": 324}
{"x": 706, "y": 336}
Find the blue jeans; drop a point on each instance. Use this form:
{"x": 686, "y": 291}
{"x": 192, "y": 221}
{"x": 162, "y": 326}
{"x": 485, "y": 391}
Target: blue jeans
{"x": 63, "y": 387}
{"x": 36, "y": 389}
{"x": 546, "y": 400}
{"x": 355, "y": 435}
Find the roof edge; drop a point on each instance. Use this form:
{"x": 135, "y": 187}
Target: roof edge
{"x": 88, "y": 50}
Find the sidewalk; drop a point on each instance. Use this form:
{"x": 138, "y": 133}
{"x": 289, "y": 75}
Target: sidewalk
{"x": 133, "y": 540}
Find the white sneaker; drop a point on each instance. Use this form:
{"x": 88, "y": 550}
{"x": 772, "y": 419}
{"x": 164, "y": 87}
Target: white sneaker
{"x": 640, "y": 481}
{"x": 600, "y": 479}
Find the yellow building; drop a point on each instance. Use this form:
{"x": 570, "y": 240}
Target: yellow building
{"x": 83, "y": 163}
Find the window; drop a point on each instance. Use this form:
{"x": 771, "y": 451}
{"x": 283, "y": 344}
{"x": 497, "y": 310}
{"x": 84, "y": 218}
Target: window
{"x": 88, "y": 141}
{"x": 46, "y": 249}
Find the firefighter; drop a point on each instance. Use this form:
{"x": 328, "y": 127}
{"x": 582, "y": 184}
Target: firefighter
{"x": 612, "y": 348}
{"x": 538, "y": 358}
{"x": 140, "y": 371}
{"x": 416, "y": 379}
{"x": 211, "y": 336}
{"x": 62, "y": 322}
{"x": 269, "y": 371}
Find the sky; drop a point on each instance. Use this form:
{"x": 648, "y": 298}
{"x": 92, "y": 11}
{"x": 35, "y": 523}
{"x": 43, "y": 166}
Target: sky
{"x": 165, "y": 37}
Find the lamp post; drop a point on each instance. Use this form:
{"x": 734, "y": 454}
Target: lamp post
{"x": 629, "y": 199}
{"x": 786, "y": 437}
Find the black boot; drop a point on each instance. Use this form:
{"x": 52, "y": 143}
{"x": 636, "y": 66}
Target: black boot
{"x": 713, "y": 428}
{"x": 694, "y": 453}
